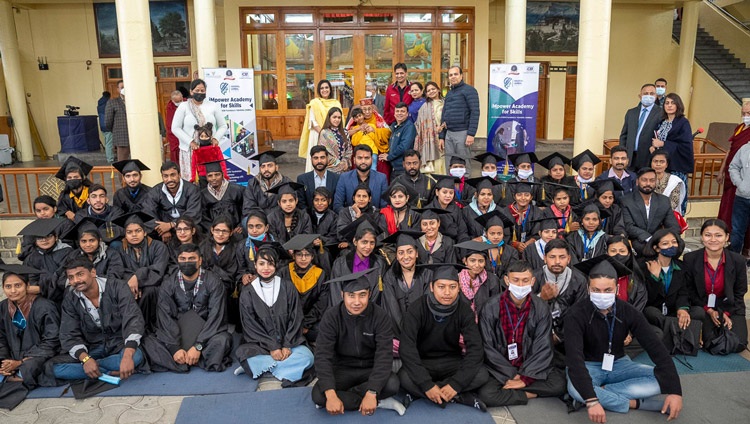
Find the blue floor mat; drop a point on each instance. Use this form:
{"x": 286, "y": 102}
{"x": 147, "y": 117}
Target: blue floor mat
{"x": 296, "y": 406}
{"x": 196, "y": 382}
{"x": 703, "y": 363}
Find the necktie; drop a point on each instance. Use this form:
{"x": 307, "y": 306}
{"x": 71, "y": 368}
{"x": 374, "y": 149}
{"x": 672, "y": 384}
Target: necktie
{"x": 642, "y": 118}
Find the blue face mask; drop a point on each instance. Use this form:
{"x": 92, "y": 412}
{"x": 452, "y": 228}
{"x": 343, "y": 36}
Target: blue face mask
{"x": 648, "y": 100}
{"x": 669, "y": 252}
{"x": 258, "y": 238}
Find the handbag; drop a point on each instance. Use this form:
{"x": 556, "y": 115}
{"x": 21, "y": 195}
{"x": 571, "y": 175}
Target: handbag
{"x": 723, "y": 341}
{"x": 681, "y": 221}
{"x": 682, "y": 341}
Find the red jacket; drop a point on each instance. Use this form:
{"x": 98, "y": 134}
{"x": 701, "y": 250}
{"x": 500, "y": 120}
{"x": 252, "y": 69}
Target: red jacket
{"x": 171, "y": 109}
{"x": 392, "y": 99}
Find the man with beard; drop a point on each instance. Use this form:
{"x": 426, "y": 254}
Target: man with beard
{"x": 171, "y": 199}
{"x": 131, "y": 197}
{"x": 318, "y": 177}
{"x": 256, "y": 193}
{"x": 361, "y": 174}
{"x": 414, "y": 179}
{"x": 99, "y": 209}
{"x": 221, "y": 197}
{"x": 619, "y": 162}
{"x": 644, "y": 211}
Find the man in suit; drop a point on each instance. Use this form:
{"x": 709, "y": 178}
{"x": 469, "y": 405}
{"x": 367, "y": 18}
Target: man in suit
{"x": 638, "y": 130}
{"x": 320, "y": 176}
{"x": 644, "y": 211}
{"x": 361, "y": 174}
{"x": 378, "y": 100}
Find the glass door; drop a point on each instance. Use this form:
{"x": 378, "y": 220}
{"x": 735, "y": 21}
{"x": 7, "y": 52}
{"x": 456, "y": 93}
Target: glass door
{"x": 338, "y": 56}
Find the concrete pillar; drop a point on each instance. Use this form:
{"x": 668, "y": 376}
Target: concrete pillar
{"x": 593, "y": 65}
{"x": 134, "y": 26}
{"x": 685, "y": 58}
{"x": 14, "y": 82}
{"x": 205, "y": 35}
{"x": 515, "y": 31}
{"x": 3, "y": 95}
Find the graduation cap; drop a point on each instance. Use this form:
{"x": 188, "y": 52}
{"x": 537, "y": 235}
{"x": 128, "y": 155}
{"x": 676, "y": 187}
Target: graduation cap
{"x": 214, "y": 166}
{"x": 137, "y": 217}
{"x": 470, "y": 247}
{"x": 588, "y": 207}
{"x": 269, "y": 156}
{"x": 364, "y": 221}
{"x": 480, "y": 183}
{"x": 553, "y": 160}
{"x": 130, "y": 165}
{"x": 71, "y": 164}
{"x": 445, "y": 181}
{"x": 288, "y": 187}
{"x": 431, "y": 213}
{"x": 546, "y": 223}
{"x": 404, "y": 238}
{"x": 495, "y": 218}
{"x": 301, "y": 242}
{"x": 444, "y": 271}
{"x": 86, "y": 225}
{"x": 19, "y": 269}
{"x": 457, "y": 160}
{"x": 272, "y": 245}
{"x": 40, "y": 227}
{"x": 488, "y": 157}
{"x": 583, "y": 157}
{"x": 603, "y": 265}
{"x": 609, "y": 184}
{"x": 523, "y": 186}
{"x": 88, "y": 388}
{"x": 355, "y": 282}
{"x": 520, "y": 158}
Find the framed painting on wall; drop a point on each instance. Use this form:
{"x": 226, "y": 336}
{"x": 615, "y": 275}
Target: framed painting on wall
{"x": 170, "y": 35}
{"x": 552, "y": 28}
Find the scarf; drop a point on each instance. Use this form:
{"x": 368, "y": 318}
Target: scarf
{"x": 439, "y": 311}
{"x": 589, "y": 244}
{"x": 319, "y": 107}
{"x": 195, "y": 109}
{"x": 80, "y": 200}
{"x": 428, "y": 130}
{"x": 470, "y": 286}
{"x": 475, "y": 207}
{"x": 100, "y": 254}
{"x": 307, "y": 281}
{"x": 19, "y": 312}
{"x": 265, "y": 186}
{"x": 431, "y": 248}
{"x": 563, "y": 217}
{"x": 218, "y": 194}
{"x": 390, "y": 218}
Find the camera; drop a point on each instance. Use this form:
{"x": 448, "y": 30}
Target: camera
{"x": 71, "y": 110}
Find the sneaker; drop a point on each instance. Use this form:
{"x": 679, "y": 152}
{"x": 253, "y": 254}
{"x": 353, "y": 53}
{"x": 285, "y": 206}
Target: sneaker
{"x": 407, "y": 401}
{"x": 239, "y": 371}
{"x": 392, "y": 404}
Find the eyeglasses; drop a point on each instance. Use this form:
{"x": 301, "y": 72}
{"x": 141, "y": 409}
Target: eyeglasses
{"x": 302, "y": 255}
{"x": 183, "y": 229}
{"x": 220, "y": 231}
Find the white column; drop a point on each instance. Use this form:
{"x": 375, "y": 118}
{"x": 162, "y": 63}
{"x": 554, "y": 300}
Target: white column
{"x": 515, "y": 31}
{"x": 593, "y": 65}
{"x": 686, "y": 55}
{"x": 134, "y": 26}
{"x": 14, "y": 82}
{"x": 205, "y": 34}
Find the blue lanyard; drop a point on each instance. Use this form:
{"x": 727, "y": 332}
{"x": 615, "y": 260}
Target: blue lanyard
{"x": 587, "y": 243}
{"x": 611, "y": 327}
{"x": 712, "y": 274}
{"x": 668, "y": 278}
{"x": 499, "y": 252}
{"x": 518, "y": 323}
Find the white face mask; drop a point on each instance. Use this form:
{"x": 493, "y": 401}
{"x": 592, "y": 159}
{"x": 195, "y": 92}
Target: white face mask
{"x": 519, "y": 292}
{"x": 368, "y": 94}
{"x": 648, "y": 100}
{"x": 491, "y": 174}
{"x": 746, "y": 120}
{"x": 602, "y": 300}
{"x": 525, "y": 174}
{"x": 660, "y": 91}
{"x": 122, "y": 91}
{"x": 457, "y": 172}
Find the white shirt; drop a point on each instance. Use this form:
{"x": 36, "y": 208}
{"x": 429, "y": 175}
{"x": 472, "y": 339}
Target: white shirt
{"x": 183, "y": 123}
{"x": 320, "y": 182}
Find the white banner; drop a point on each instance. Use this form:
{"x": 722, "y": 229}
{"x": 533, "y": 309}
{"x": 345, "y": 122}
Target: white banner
{"x": 233, "y": 91}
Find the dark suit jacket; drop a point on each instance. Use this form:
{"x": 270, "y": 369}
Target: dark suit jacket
{"x": 735, "y": 282}
{"x": 348, "y": 181}
{"x": 674, "y": 298}
{"x": 308, "y": 180}
{"x": 630, "y": 129}
{"x": 634, "y": 214}
{"x": 679, "y": 145}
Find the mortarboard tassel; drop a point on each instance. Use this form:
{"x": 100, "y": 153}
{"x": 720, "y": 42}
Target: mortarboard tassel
{"x": 567, "y": 225}
{"x": 18, "y": 247}
{"x": 197, "y": 176}
{"x": 248, "y": 170}
{"x": 408, "y": 223}
{"x": 505, "y": 168}
{"x": 236, "y": 292}
{"x": 110, "y": 230}
{"x": 112, "y": 172}
{"x": 321, "y": 249}
{"x": 251, "y": 254}
{"x": 419, "y": 201}
{"x": 382, "y": 252}
{"x": 544, "y": 194}
{"x": 429, "y": 183}
{"x": 503, "y": 193}
{"x": 380, "y": 282}
{"x": 515, "y": 239}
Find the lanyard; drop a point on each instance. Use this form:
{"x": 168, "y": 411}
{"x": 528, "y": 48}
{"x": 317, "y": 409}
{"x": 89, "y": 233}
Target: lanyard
{"x": 196, "y": 287}
{"x": 611, "y": 327}
{"x": 499, "y": 247}
{"x": 712, "y": 274}
{"x": 564, "y": 220}
{"x": 668, "y": 278}
{"x": 587, "y": 243}
{"x": 518, "y": 323}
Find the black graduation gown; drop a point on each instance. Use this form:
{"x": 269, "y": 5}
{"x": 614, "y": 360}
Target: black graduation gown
{"x": 549, "y": 191}
{"x": 576, "y": 290}
{"x": 277, "y": 226}
{"x": 491, "y": 287}
{"x": 108, "y": 264}
{"x": 343, "y": 266}
{"x": 510, "y": 193}
{"x": 579, "y": 195}
{"x": 452, "y": 225}
{"x": 561, "y": 224}
{"x": 345, "y": 218}
{"x": 190, "y": 204}
{"x": 533, "y": 256}
{"x": 27, "y": 242}
{"x": 52, "y": 280}
{"x": 254, "y": 197}
{"x": 575, "y": 241}
{"x": 150, "y": 270}
{"x": 314, "y": 300}
{"x": 410, "y": 222}
{"x": 210, "y": 304}
{"x": 326, "y": 227}
{"x": 230, "y": 205}
{"x": 128, "y": 202}
{"x": 224, "y": 265}
{"x": 507, "y": 256}
{"x": 445, "y": 254}
{"x": 529, "y": 227}
{"x": 615, "y": 224}
{"x": 264, "y": 328}
{"x": 39, "y": 341}
{"x": 110, "y": 213}
{"x": 66, "y": 204}
{"x": 396, "y": 299}
{"x": 474, "y": 228}
{"x": 424, "y": 186}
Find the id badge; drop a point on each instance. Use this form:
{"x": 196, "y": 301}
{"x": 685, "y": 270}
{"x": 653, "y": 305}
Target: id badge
{"x": 513, "y": 351}
{"x": 608, "y": 363}
{"x": 712, "y": 300}
{"x": 556, "y": 314}
{"x": 664, "y": 309}
{"x": 523, "y": 237}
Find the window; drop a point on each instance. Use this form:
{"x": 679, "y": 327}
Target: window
{"x": 261, "y": 56}
{"x": 338, "y": 18}
{"x": 417, "y": 18}
{"x": 298, "y": 18}
{"x": 260, "y": 18}
{"x": 378, "y": 17}
{"x": 454, "y": 18}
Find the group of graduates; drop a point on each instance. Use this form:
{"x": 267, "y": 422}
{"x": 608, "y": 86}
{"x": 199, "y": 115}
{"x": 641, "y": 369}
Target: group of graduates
{"x": 480, "y": 291}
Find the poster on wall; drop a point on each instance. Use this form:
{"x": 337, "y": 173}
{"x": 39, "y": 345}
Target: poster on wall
{"x": 511, "y": 120}
{"x": 233, "y": 91}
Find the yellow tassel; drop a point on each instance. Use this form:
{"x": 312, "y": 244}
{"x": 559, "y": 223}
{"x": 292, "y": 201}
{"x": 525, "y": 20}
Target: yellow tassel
{"x": 585, "y": 192}
{"x": 197, "y": 177}
{"x": 112, "y": 173}
{"x": 408, "y": 223}
{"x": 235, "y": 293}
{"x": 515, "y": 239}
{"x": 429, "y": 183}
{"x": 380, "y": 282}
{"x": 248, "y": 170}
{"x": 544, "y": 194}
{"x": 419, "y": 201}
{"x": 505, "y": 168}
{"x": 251, "y": 254}
{"x": 18, "y": 247}
{"x": 110, "y": 230}
{"x": 503, "y": 194}
{"x": 321, "y": 249}
{"x": 567, "y": 225}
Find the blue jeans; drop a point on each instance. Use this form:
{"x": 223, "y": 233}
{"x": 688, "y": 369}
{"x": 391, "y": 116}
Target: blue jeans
{"x": 627, "y": 380}
{"x": 74, "y": 371}
{"x": 740, "y": 217}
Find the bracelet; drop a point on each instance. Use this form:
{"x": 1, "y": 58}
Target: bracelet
{"x": 86, "y": 359}
{"x": 372, "y": 392}
{"x": 592, "y": 403}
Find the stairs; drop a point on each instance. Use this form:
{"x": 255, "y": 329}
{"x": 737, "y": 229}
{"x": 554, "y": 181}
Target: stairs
{"x": 732, "y": 74}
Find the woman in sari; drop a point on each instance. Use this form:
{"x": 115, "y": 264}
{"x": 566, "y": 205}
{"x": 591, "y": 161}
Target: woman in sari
{"x": 334, "y": 138}
{"x": 428, "y": 124}
{"x": 315, "y": 116}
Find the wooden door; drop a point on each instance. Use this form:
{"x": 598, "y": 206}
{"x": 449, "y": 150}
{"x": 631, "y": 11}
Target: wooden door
{"x": 543, "y": 93}
{"x": 112, "y": 75}
{"x": 170, "y": 76}
{"x": 569, "y": 124}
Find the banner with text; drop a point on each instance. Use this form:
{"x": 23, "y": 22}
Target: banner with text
{"x": 511, "y": 120}
{"x": 234, "y": 92}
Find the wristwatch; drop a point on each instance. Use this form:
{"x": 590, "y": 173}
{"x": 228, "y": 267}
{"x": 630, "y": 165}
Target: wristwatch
{"x": 198, "y": 347}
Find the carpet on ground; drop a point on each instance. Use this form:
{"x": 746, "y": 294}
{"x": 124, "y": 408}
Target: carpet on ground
{"x": 296, "y": 406}
{"x": 703, "y": 363}
{"x": 715, "y": 398}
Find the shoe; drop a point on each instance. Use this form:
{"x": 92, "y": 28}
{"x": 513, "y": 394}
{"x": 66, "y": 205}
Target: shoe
{"x": 470, "y": 399}
{"x": 392, "y": 404}
{"x": 239, "y": 371}
{"x": 407, "y": 401}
